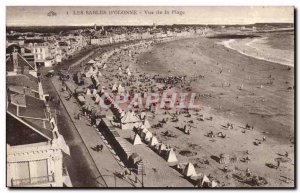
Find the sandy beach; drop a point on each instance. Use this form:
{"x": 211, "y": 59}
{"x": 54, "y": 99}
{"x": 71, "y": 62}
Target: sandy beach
{"x": 235, "y": 89}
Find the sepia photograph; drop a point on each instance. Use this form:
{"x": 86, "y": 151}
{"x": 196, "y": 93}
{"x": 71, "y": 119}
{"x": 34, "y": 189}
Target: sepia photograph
{"x": 150, "y": 97}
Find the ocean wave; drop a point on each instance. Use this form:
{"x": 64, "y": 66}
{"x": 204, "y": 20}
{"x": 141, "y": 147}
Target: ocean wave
{"x": 258, "y": 48}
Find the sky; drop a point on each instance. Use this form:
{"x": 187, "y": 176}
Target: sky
{"x": 73, "y": 16}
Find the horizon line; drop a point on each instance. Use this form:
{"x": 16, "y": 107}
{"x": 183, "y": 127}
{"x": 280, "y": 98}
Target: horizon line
{"x": 83, "y": 25}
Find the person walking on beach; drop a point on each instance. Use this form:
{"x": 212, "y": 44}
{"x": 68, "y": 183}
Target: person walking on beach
{"x": 278, "y": 164}
{"x": 286, "y": 154}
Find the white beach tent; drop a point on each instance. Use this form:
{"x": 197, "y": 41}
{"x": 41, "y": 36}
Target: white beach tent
{"x": 125, "y": 117}
{"x": 171, "y": 156}
{"x": 91, "y": 61}
{"x": 137, "y": 140}
{"x": 115, "y": 86}
{"x": 143, "y": 133}
{"x": 99, "y": 74}
{"x": 121, "y": 89}
{"x": 189, "y": 170}
{"x": 147, "y": 124}
{"x": 88, "y": 92}
{"x": 162, "y": 147}
{"x": 143, "y": 115}
{"x": 94, "y": 92}
{"x": 97, "y": 100}
{"x": 153, "y": 141}
{"x": 148, "y": 136}
{"x": 204, "y": 182}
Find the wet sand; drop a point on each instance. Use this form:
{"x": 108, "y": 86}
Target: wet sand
{"x": 260, "y": 49}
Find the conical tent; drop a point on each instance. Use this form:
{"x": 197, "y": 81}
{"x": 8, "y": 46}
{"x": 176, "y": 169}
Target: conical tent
{"x": 143, "y": 115}
{"x": 94, "y": 92}
{"x": 144, "y": 132}
{"x": 148, "y": 136}
{"x": 214, "y": 184}
{"x": 171, "y": 156}
{"x": 204, "y": 182}
{"x": 121, "y": 89}
{"x": 189, "y": 170}
{"x": 88, "y": 92}
{"x": 127, "y": 118}
{"x": 153, "y": 141}
{"x": 102, "y": 89}
{"x": 147, "y": 124}
{"x": 134, "y": 117}
{"x": 137, "y": 140}
{"x": 162, "y": 147}
{"x": 114, "y": 88}
{"x": 97, "y": 100}
{"x": 91, "y": 61}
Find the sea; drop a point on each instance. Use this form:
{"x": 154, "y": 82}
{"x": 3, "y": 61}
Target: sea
{"x": 277, "y": 47}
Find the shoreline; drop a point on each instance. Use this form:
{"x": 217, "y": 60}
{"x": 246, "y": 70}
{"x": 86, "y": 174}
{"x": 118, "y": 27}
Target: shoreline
{"x": 249, "y": 48}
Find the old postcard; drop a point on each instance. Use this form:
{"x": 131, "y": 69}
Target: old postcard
{"x": 150, "y": 97}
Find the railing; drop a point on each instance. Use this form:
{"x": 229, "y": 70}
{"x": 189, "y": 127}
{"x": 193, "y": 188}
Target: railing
{"x": 32, "y": 180}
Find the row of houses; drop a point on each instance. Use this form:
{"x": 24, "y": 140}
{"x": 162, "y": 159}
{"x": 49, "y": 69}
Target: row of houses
{"x": 48, "y": 50}
{"x": 35, "y": 149}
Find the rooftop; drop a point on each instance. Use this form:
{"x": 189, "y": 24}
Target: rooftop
{"x": 35, "y": 108}
{"x": 27, "y": 81}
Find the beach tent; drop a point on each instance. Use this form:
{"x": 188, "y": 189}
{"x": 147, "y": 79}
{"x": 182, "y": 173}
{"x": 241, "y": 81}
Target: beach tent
{"x": 90, "y": 72}
{"x": 204, "y": 182}
{"x": 97, "y": 100}
{"x": 147, "y": 124}
{"x": 91, "y": 61}
{"x": 105, "y": 66}
{"x": 121, "y": 89}
{"x": 99, "y": 74}
{"x": 134, "y": 117}
{"x": 129, "y": 73}
{"x": 114, "y": 88}
{"x": 171, "y": 156}
{"x": 162, "y": 148}
{"x": 95, "y": 80}
{"x": 88, "y": 92}
{"x": 94, "y": 93}
{"x": 148, "y": 136}
{"x": 153, "y": 141}
{"x": 102, "y": 89}
{"x": 125, "y": 117}
{"x": 138, "y": 125}
{"x": 143, "y": 133}
{"x": 214, "y": 184}
{"x": 143, "y": 115}
{"x": 189, "y": 170}
{"x": 137, "y": 140}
